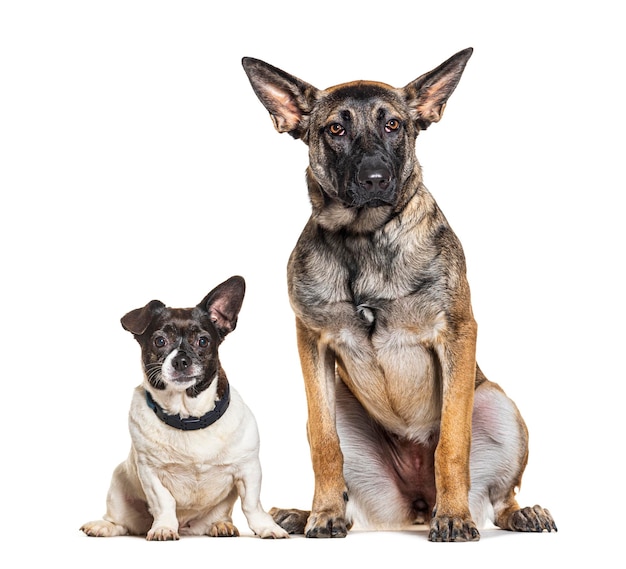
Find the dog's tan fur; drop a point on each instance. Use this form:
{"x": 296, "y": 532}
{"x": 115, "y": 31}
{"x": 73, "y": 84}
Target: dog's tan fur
{"x": 401, "y": 421}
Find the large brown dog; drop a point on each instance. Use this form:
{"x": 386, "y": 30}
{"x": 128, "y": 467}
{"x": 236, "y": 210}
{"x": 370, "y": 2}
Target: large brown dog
{"x": 402, "y": 424}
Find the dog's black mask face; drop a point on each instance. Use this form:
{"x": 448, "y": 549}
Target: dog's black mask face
{"x": 179, "y": 346}
{"x": 361, "y": 137}
{"x": 361, "y": 153}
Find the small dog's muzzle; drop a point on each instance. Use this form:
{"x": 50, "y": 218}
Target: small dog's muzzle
{"x": 181, "y": 368}
{"x": 181, "y": 361}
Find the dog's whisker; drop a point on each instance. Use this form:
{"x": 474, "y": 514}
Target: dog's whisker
{"x": 154, "y": 375}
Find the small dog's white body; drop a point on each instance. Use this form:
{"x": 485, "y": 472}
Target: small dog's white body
{"x": 185, "y": 482}
{"x": 193, "y": 478}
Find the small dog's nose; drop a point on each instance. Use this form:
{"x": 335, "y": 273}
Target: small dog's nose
{"x": 181, "y": 361}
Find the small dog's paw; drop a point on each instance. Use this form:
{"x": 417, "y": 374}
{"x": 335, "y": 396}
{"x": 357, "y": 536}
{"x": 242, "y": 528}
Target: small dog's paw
{"x": 272, "y": 532}
{"x": 535, "y": 519}
{"x": 162, "y": 534}
{"x": 443, "y": 528}
{"x": 223, "y": 529}
{"x": 102, "y": 528}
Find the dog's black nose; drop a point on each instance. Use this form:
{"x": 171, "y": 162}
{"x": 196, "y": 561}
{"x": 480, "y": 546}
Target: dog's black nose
{"x": 373, "y": 185}
{"x": 181, "y": 361}
{"x": 374, "y": 179}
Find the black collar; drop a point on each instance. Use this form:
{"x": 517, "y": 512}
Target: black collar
{"x": 191, "y": 423}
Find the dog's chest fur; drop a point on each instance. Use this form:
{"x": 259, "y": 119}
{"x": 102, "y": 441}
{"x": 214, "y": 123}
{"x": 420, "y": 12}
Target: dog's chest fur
{"x": 383, "y": 311}
{"x": 197, "y": 467}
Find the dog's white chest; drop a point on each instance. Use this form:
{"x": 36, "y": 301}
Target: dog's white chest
{"x": 197, "y": 484}
{"x": 199, "y": 468}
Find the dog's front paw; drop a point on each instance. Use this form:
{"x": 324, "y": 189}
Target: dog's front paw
{"x": 223, "y": 529}
{"x": 102, "y": 528}
{"x": 162, "y": 534}
{"x": 326, "y": 525}
{"x": 444, "y": 528}
{"x": 535, "y": 519}
{"x": 272, "y": 532}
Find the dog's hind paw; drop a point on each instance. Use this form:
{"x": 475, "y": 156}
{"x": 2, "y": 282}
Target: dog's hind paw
{"x": 162, "y": 534}
{"x": 535, "y": 519}
{"x": 102, "y": 528}
{"x": 223, "y": 529}
{"x": 292, "y": 521}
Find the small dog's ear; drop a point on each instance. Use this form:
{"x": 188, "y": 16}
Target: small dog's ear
{"x": 223, "y": 304}
{"x": 428, "y": 94}
{"x": 287, "y": 98}
{"x": 138, "y": 320}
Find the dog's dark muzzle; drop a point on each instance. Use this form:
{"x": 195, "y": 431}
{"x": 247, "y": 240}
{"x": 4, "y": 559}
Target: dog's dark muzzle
{"x": 374, "y": 186}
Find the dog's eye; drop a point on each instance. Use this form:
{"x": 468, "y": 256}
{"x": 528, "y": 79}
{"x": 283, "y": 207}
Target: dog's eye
{"x": 336, "y": 129}
{"x": 203, "y": 341}
{"x": 160, "y": 341}
{"x": 392, "y": 124}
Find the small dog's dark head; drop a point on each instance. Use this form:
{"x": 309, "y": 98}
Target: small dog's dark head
{"x": 361, "y": 136}
{"x": 179, "y": 346}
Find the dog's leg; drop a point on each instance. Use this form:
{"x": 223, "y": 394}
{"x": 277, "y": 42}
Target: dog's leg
{"x": 327, "y": 518}
{"x": 127, "y": 512}
{"x": 452, "y": 520}
{"x": 161, "y": 504}
{"x": 498, "y": 459}
{"x": 249, "y": 488}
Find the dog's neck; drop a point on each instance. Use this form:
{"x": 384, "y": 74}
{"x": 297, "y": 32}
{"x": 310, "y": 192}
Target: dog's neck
{"x": 191, "y": 423}
{"x": 177, "y": 409}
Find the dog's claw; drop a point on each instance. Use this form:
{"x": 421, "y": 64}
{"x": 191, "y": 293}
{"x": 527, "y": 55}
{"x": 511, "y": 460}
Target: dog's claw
{"x": 162, "y": 534}
{"x": 453, "y": 529}
{"x": 274, "y": 533}
{"x": 103, "y": 528}
{"x": 334, "y": 527}
{"x": 331, "y": 530}
{"x": 223, "y": 529}
{"x": 535, "y": 519}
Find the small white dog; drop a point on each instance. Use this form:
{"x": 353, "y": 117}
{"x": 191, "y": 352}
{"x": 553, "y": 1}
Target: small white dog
{"x": 195, "y": 443}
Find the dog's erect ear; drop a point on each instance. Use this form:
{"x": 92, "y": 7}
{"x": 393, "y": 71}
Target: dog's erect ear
{"x": 223, "y": 304}
{"x": 287, "y": 98}
{"x": 138, "y": 320}
{"x": 427, "y": 95}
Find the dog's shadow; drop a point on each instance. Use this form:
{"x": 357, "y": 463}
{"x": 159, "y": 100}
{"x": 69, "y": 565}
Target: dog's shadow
{"x": 422, "y": 531}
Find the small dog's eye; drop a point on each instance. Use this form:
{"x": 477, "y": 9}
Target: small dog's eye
{"x": 160, "y": 341}
{"x": 336, "y": 129}
{"x": 392, "y": 124}
{"x": 203, "y": 341}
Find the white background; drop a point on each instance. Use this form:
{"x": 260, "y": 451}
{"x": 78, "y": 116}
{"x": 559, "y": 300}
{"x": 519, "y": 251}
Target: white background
{"x": 137, "y": 163}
